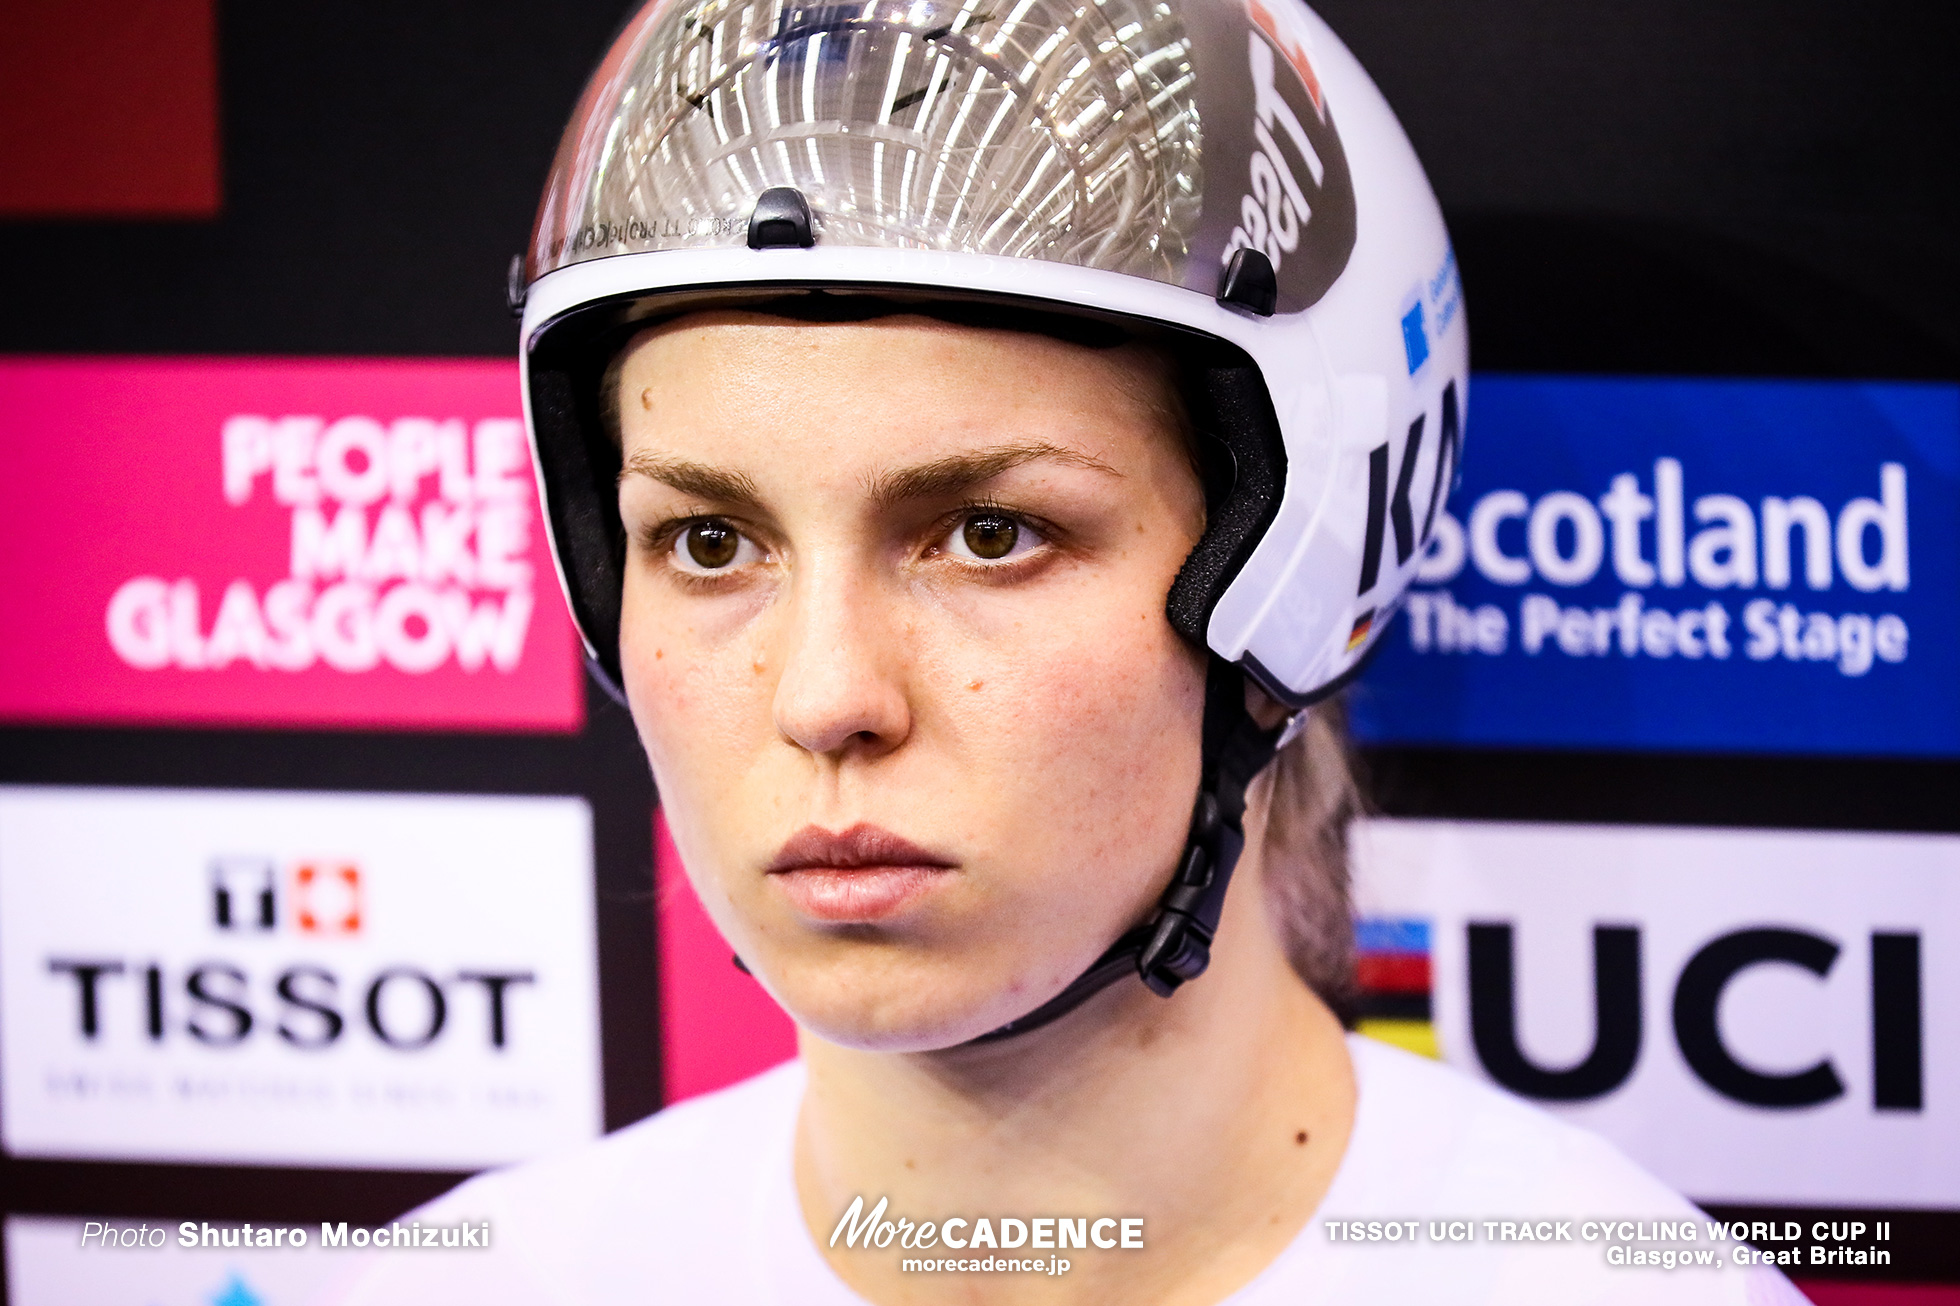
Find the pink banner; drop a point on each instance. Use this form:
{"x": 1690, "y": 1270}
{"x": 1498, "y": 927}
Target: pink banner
{"x": 345, "y": 543}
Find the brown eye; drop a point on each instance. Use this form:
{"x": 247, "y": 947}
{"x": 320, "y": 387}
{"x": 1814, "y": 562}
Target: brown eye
{"x": 990, "y": 535}
{"x": 712, "y": 545}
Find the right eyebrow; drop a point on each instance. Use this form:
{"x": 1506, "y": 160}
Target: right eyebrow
{"x": 698, "y": 479}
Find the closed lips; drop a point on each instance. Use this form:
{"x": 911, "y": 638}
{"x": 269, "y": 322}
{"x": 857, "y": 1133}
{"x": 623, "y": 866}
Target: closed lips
{"x": 860, "y": 846}
{"x": 858, "y": 876}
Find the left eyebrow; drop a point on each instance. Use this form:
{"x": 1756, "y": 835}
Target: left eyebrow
{"x": 956, "y": 472}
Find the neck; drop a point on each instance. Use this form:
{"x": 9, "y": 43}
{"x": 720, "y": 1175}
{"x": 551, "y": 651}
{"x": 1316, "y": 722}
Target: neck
{"x": 1218, "y": 1117}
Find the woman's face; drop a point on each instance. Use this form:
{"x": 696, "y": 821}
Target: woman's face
{"x": 894, "y": 638}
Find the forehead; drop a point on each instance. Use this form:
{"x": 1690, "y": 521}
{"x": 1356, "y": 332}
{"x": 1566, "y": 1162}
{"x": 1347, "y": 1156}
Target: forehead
{"x": 737, "y": 384}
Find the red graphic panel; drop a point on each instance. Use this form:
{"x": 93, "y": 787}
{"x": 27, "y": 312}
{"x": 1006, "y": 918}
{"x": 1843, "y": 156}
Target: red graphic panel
{"x": 717, "y": 1025}
{"x": 1831, "y": 1292}
{"x": 260, "y": 542}
{"x": 1392, "y": 972}
{"x": 110, "y": 109}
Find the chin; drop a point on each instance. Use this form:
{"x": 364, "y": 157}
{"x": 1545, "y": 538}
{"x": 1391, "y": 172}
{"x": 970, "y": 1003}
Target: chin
{"x": 884, "y": 1007}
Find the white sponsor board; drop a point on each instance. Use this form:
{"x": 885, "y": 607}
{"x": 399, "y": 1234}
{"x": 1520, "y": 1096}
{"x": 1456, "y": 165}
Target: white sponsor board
{"x": 1757, "y": 1016}
{"x": 389, "y": 981}
{"x": 119, "y": 1262}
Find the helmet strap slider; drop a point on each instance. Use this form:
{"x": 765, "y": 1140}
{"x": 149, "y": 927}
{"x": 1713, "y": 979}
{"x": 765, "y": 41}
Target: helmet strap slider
{"x": 1291, "y": 729}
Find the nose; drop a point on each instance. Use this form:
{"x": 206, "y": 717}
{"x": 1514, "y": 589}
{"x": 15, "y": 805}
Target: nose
{"x": 841, "y": 692}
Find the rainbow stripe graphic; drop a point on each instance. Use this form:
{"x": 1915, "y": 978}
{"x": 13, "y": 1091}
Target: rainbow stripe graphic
{"x": 1392, "y": 971}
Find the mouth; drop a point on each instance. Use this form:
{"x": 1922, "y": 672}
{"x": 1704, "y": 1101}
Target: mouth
{"x": 861, "y": 875}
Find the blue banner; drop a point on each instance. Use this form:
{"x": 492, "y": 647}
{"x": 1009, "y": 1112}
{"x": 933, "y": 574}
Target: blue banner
{"x": 1724, "y": 566}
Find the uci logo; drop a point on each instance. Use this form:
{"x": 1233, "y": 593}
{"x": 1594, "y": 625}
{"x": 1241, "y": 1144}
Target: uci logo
{"x": 1897, "y": 1034}
{"x": 1298, "y": 205}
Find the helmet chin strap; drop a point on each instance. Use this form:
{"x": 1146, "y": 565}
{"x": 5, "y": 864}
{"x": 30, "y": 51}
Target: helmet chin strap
{"x": 1174, "y": 945}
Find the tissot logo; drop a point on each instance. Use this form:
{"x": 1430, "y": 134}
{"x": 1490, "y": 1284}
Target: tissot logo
{"x": 324, "y": 897}
{"x": 295, "y": 978}
{"x": 215, "y": 1003}
{"x": 340, "y": 885}
{"x": 218, "y": 1008}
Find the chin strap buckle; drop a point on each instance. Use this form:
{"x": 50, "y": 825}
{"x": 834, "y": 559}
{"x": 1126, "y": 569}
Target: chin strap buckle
{"x": 1187, "y": 915}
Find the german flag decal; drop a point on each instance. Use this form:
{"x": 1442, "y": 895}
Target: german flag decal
{"x": 1363, "y": 624}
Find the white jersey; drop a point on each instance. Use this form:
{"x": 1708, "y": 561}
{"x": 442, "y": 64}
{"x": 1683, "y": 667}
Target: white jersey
{"x": 699, "y": 1204}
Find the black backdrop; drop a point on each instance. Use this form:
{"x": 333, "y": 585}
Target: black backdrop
{"x": 1744, "y": 187}
{"x": 1749, "y": 187}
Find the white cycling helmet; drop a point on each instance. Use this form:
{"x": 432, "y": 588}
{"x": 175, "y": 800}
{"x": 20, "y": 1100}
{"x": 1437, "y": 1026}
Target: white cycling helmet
{"x": 1218, "y": 172}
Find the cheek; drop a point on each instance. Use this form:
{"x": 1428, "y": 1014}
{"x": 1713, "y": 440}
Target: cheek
{"x": 697, "y": 703}
{"x": 696, "y": 700}
{"x": 1085, "y": 746}
{"x": 1109, "y": 704}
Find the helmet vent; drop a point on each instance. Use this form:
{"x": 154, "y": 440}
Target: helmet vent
{"x": 1249, "y": 282}
{"x": 516, "y": 290}
{"x": 781, "y": 220}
